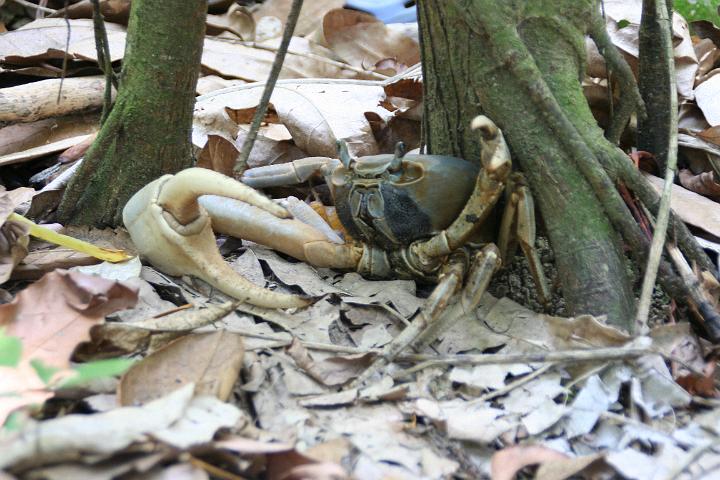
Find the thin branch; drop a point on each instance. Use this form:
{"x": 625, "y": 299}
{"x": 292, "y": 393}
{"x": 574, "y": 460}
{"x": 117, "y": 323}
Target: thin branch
{"x": 661, "y": 225}
{"x": 584, "y": 355}
{"x": 65, "y": 57}
{"x": 269, "y": 85}
{"x": 39, "y": 8}
{"x": 103, "y": 53}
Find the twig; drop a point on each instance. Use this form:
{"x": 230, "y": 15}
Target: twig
{"x": 585, "y": 355}
{"x": 663, "y": 216}
{"x": 103, "y": 54}
{"x": 67, "y": 48}
{"x": 39, "y": 8}
{"x": 269, "y": 85}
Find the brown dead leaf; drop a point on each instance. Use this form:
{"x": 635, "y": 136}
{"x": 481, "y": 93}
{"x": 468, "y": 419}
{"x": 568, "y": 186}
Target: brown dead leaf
{"x": 20, "y": 387}
{"x": 362, "y": 40}
{"x": 77, "y": 151}
{"x": 219, "y": 154}
{"x": 211, "y": 361}
{"x": 703, "y": 183}
{"x": 53, "y": 315}
{"x": 14, "y": 237}
{"x": 46, "y": 38}
{"x": 237, "y": 21}
{"x": 38, "y": 263}
{"x": 24, "y": 136}
{"x": 310, "y": 14}
{"x": 711, "y": 135}
{"x": 510, "y": 460}
{"x": 114, "y": 11}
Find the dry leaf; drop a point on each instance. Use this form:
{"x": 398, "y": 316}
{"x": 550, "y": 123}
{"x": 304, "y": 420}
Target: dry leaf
{"x": 114, "y": 11}
{"x": 310, "y": 14}
{"x": 706, "y": 95}
{"x": 53, "y": 315}
{"x": 333, "y": 371}
{"x": 46, "y": 38}
{"x": 692, "y": 208}
{"x": 703, "y": 183}
{"x": 316, "y": 114}
{"x": 711, "y": 134}
{"x": 24, "y": 136}
{"x": 234, "y": 60}
{"x": 625, "y": 36}
{"x": 237, "y": 21}
{"x": 510, "y": 460}
{"x": 211, "y": 361}
{"x": 364, "y": 41}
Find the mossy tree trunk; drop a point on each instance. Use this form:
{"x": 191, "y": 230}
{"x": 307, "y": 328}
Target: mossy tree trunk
{"x": 148, "y": 131}
{"x": 520, "y": 62}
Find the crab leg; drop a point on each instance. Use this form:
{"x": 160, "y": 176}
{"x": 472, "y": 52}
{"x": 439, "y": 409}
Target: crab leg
{"x": 449, "y": 281}
{"x": 290, "y": 173}
{"x": 489, "y": 186}
{"x": 484, "y": 265}
{"x": 518, "y": 226}
{"x": 174, "y": 232}
{"x": 290, "y": 236}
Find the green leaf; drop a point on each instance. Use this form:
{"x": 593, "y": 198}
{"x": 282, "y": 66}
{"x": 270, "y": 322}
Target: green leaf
{"x": 622, "y": 24}
{"x": 10, "y": 350}
{"x": 44, "y": 371}
{"x": 97, "y": 369}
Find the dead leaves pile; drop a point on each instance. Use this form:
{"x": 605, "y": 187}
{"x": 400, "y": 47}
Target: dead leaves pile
{"x": 226, "y": 390}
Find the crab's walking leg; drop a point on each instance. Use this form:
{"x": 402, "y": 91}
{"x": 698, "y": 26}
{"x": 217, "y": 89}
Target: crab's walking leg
{"x": 290, "y": 236}
{"x": 518, "y": 227}
{"x": 450, "y": 280}
{"x": 483, "y": 266}
{"x": 290, "y": 173}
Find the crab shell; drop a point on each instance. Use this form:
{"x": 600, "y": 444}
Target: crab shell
{"x": 392, "y": 209}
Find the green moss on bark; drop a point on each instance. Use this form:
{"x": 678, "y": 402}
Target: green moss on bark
{"x": 148, "y": 131}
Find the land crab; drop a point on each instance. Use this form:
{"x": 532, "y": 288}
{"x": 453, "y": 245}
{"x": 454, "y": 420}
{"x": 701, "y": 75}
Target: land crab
{"x": 410, "y": 216}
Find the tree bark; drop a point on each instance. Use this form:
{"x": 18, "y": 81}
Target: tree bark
{"x": 147, "y": 134}
{"x": 519, "y": 62}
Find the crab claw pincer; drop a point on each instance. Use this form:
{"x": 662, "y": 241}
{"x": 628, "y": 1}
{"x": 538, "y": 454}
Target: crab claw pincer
{"x": 174, "y": 232}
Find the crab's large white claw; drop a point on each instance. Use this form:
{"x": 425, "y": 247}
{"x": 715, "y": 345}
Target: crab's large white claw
{"x": 173, "y": 232}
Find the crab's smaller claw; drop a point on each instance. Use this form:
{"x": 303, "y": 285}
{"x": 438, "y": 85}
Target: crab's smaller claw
{"x": 174, "y": 232}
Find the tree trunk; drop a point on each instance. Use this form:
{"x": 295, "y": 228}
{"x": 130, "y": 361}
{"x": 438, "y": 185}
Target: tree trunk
{"x": 493, "y": 57}
{"x": 148, "y": 131}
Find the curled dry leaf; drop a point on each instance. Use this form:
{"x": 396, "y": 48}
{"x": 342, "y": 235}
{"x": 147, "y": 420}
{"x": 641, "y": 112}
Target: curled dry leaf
{"x": 703, "y": 183}
{"x": 316, "y": 114}
{"x": 364, "y": 41}
{"x": 310, "y": 13}
{"x": 711, "y": 135}
{"x": 236, "y": 21}
{"x": 211, "y": 361}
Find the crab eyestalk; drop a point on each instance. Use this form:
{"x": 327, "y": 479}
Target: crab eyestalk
{"x": 173, "y": 232}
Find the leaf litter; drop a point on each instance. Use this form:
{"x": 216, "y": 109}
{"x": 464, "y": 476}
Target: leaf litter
{"x": 218, "y": 384}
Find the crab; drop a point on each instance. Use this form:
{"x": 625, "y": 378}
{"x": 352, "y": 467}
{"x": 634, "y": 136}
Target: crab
{"x": 409, "y": 215}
